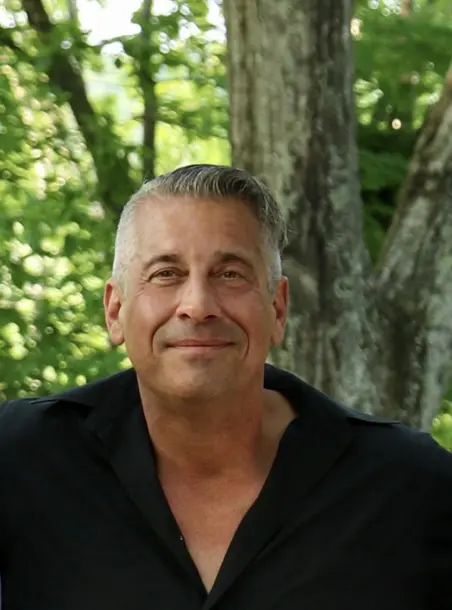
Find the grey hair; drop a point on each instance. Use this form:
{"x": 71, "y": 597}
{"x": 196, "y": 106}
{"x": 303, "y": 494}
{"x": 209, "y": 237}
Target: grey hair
{"x": 207, "y": 182}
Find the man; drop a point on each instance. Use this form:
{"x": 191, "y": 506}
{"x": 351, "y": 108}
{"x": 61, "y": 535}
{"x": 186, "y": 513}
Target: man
{"x": 204, "y": 478}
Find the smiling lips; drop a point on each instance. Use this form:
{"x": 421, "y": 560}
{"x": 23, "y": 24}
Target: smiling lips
{"x": 201, "y": 344}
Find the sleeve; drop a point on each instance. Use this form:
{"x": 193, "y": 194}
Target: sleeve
{"x": 3, "y": 408}
{"x": 438, "y": 538}
{"x": 8, "y": 426}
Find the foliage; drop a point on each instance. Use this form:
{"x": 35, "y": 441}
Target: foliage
{"x": 400, "y": 68}
{"x": 61, "y": 192}
{"x": 442, "y": 426}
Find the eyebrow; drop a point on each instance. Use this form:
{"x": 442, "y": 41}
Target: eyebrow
{"x": 232, "y": 257}
{"x": 221, "y": 256}
{"x": 161, "y": 258}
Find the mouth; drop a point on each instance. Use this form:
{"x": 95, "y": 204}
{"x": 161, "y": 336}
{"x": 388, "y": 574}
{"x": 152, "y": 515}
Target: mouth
{"x": 196, "y": 346}
{"x": 196, "y": 342}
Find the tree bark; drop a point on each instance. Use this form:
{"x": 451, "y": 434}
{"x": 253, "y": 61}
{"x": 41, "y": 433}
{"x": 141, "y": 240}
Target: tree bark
{"x": 293, "y": 120}
{"x": 415, "y": 274}
{"x": 293, "y": 124}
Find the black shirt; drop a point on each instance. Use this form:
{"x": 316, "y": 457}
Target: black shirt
{"x": 356, "y": 514}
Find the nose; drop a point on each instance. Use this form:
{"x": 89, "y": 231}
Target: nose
{"x": 198, "y": 301}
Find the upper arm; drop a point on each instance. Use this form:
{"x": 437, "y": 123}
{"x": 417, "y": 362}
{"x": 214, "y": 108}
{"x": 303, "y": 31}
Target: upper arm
{"x": 11, "y": 430}
{"x": 3, "y": 478}
{"x": 438, "y": 535}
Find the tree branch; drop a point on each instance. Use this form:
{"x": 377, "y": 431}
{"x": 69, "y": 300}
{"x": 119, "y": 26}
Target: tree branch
{"x": 73, "y": 11}
{"x": 147, "y": 84}
{"x": 122, "y": 39}
{"x": 114, "y": 182}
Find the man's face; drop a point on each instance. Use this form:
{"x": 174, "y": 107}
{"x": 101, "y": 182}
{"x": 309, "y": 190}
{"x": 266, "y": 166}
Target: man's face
{"x": 197, "y": 317}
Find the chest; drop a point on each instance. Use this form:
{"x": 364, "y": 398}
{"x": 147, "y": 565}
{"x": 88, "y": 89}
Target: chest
{"x": 341, "y": 556}
{"x": 208, "y": 525}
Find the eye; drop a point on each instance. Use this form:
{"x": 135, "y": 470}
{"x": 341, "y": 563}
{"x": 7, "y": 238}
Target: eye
{"x": 231, "y": 274}
{"x": 164, "y": 274}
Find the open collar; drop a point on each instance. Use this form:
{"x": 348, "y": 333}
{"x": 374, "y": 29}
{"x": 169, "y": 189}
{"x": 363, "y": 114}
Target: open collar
{"x": 311, "y": 446}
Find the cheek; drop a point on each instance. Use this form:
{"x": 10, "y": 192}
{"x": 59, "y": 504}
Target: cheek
{"x": 256, "y": 316}
{"x": 145, "y": 316}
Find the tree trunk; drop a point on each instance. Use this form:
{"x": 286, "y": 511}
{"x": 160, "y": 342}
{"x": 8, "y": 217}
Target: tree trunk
{"x": 293, "y": 124}
{"x": 415, "y": 275}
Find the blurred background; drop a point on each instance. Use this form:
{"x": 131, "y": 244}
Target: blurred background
{"x": 97, "y": 96}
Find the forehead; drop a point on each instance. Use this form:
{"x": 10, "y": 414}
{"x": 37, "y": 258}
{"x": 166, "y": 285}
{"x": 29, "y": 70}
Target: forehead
{"x": 182, "y": 223}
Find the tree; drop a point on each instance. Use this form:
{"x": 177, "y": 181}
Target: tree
{"x": 379, "y": 336}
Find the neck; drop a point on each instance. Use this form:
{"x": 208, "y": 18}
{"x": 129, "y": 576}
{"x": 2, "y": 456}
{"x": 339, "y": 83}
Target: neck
{"x": 227, "y": 437}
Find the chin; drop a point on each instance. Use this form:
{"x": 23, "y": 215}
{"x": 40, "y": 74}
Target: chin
{"x": 196, "y": 387}
{"x": 197, "y": 391}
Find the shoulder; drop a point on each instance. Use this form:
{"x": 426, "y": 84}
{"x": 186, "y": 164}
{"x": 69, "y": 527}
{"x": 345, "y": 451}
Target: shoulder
{"x": 17, "y": 417}
{"x": 400, "y": 443}
{"x": 373, "y": 438}
{"x": 24, "y": 417}
{"x": 423, "y": 472}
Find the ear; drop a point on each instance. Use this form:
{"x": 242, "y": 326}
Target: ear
{"x": 113, "y": 301}
{"x": 281, "y": 307}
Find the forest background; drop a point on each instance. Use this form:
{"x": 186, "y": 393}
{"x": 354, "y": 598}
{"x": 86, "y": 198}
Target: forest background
{"x": 97, "y": 96}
